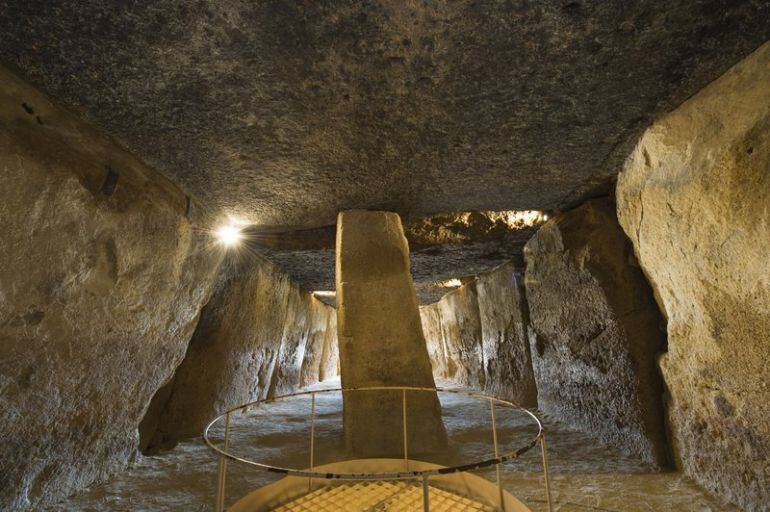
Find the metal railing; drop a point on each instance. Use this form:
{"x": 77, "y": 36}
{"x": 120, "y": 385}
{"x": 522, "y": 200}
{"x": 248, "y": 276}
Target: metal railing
{"x": 423, "y": 475}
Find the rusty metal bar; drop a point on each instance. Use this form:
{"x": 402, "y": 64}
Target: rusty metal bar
{"x": 223, "y": 468}
{"x": 543, "y": 450}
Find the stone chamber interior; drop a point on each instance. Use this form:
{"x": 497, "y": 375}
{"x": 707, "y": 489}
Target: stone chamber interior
{"x": 564, "y": 204}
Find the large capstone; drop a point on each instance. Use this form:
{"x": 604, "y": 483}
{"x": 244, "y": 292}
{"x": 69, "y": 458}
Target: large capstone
{"x": 694, "y": 199}
{"x": 381, "y": 340}
{"x": 284, "y": 113}
{"x": 595, "y": 331}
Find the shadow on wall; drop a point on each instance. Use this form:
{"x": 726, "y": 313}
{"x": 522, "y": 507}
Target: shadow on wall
{"x": 259, "y": 336}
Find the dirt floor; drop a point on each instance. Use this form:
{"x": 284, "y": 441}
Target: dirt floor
{"x": 586, "y": 476}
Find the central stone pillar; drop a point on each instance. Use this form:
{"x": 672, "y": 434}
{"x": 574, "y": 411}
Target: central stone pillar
{"x": 381, "y": 340}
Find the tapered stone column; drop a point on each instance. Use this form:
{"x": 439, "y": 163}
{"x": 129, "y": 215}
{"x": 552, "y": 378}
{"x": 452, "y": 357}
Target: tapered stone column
{"x": 381, "y": 340}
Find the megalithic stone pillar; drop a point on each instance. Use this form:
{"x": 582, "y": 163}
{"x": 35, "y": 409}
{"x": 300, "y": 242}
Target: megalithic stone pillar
{"x": 381, "y": 340}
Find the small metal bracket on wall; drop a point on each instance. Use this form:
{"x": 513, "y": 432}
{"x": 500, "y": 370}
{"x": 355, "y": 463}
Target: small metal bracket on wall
{"x": 110, "y": 181}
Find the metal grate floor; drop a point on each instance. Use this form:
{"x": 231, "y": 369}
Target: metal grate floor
{"x": 381, "y": 497}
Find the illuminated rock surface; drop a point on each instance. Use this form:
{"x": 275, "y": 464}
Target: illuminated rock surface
{"x": 595, "y": 331}
{"x": 441, "y": 247}
{"x": 694, "y": 199}
{"x": 460, "y": 336}
{"x": 504, "y": 316}
{"x": 101, "y": 283}
{"x": 380, "y": 339}
{"x": 477, "y": 337}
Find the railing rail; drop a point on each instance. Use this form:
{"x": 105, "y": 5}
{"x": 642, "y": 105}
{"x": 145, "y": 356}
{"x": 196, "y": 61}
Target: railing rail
{"x": 423, "y": 475}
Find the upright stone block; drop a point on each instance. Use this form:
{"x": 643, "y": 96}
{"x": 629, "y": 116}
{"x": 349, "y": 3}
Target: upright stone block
{"x": 694, "y": 198}
{"x": 505, "y": 346}
{"x": 102, "y": 277}
{"x": 381, "y": 340}
{"x": 594, "y": 331}
{"x": 477, "y": 337}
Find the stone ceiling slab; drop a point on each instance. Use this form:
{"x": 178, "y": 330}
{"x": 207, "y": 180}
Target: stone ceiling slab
{"x": 284, "y": 113}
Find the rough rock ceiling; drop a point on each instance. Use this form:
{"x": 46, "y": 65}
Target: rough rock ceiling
{"x": 284, "y": 113}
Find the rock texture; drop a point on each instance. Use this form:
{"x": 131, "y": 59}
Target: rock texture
{"x": 322, "y": 355}
{"x": 286, "y": 113}
{"x": 441, "y": 247}
{"x": 595, "y": 331}
{"x": 381, "y": 340}
{"x": 504, "y": 318}
{"x": 477, "y": 336}
{"x": 102, "y": 278}
{"x": 259, "y": 336}
{"x": 694, "y": 199}
{"x": 461, "y": 330}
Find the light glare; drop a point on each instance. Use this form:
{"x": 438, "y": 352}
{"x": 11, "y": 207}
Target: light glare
{"x": 452, "y": 283}
{"x": 229, "y": 235}
{"x": 518, "y": 219}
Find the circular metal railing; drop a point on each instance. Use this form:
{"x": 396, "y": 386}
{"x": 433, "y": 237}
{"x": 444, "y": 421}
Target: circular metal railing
{"x": 224, "y": 454}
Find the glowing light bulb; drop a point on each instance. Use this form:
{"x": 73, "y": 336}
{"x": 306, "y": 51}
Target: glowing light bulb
{"x": 452, "y": 283}
{"x": 229, "y": 235}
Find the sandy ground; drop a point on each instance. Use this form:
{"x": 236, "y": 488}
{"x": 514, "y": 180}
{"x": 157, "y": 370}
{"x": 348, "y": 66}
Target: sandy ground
{"x": 586, "y": 476}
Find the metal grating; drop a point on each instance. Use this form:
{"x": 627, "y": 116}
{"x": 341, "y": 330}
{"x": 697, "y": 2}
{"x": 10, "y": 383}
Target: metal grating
{"x": 381, "y": 497}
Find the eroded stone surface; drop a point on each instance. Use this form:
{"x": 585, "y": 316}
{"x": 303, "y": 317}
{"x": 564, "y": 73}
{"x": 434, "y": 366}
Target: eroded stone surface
{"x": 259, "y": 336}
{"x": 381, "y": 341}
{"x": 322, "y": 357}
{"x": 477, "y": 336}
{"x": 694, "y": 199}
{"x": 101, "y": 282}
{"x": 504, "y": 318}
{"x": 461, "y": 330}
{"x": 595, "y": 331}
{"x": 441, "y": 365}
{"x": 285, "y": 113}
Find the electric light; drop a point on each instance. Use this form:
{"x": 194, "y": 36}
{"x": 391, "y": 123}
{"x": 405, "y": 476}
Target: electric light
{"x": 229, "y": 234}
{"x": 518, "y": 219}
{"x": 325, "y": 293}
{"x": 452, "y": 283}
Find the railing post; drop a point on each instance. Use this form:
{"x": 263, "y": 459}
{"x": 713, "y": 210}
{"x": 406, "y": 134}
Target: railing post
{"x": 425, "y": 494}
{"x": 543, "y": 449}
{"x": 312, "y": 439}
{"x": 497, "y": 454}
{"x": 223, "y": 468}
{"x": 403, "y": 415}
